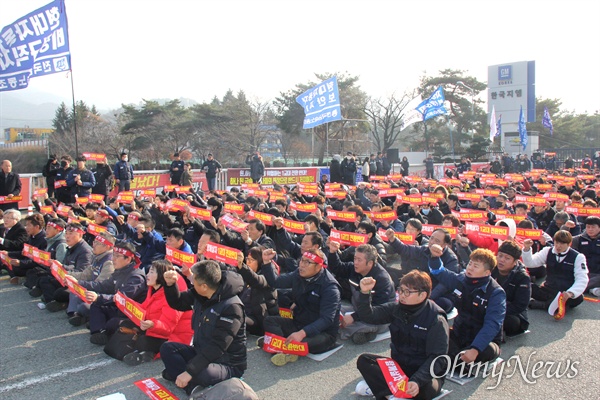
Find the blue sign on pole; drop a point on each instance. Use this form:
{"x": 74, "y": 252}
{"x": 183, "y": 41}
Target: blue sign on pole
{"x": 321, "y": 104}
{"x": 434, "y": 105}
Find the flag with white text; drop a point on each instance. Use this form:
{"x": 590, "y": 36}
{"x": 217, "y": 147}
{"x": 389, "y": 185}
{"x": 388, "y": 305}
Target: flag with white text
{"x": 547, "y": 121}
{"x": 434, "y": 105}
{"x": 34, "y": 45}
{"x": 321, "y": 104}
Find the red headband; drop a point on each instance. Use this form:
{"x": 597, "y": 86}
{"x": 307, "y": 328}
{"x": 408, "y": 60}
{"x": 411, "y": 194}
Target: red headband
{"x": 55, "y": 226}
{"x": 129, "y": 254}
{"x": 104, "y": 241}
{"x": 72, "y": 228}
{"x": 133, "y": 216}
{"x": 313, "y": 257}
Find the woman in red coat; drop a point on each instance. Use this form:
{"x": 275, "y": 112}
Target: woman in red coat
{"x": 162, "y": 323}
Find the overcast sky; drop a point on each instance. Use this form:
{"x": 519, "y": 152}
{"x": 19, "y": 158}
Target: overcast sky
{"x": 127, "y": 50}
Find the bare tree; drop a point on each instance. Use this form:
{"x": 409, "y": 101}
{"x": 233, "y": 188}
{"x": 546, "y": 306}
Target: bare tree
{"x": 386, "y": 119}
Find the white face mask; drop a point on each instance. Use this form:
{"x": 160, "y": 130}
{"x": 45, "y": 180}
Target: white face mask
{"x": 125, "y": 158}
{"x": 425, "y": 211}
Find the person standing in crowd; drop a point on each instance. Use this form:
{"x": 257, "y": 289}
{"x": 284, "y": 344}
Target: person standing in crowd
{"x": 211, "y": 167}
{"x": 49, "y": 172}
{"x": 10, "y": 186}
{"x": 62, "y": 191}
{"x": 366, "y": 168}
{"x": 405, "y": 166}
{"x": 429, "y": 167}
{"x": 81, "y": 180}
{"x": 176, "y": 169}
{"x": 334, "y": 169}
{"x": 372, "y": 165}
{"x": 104, "y": 179}
{"x": 123, "y": 173}
{"x": 257, "y": 167}
{"x": 186, "y": 176}
{"x": 348, "y": 168}
{"x": 569, "y": 163}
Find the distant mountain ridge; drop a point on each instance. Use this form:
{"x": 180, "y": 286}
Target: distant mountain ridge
{"x": 36, "y": 110}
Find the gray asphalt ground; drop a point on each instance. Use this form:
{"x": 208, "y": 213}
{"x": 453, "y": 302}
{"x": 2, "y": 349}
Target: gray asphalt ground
{"x": 43, "y": 357}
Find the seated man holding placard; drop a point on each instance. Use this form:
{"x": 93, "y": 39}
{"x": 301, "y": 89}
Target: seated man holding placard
{"x": 219, "y": 344}
{"x": 419, "y": 336}
{"x": 316, "y": 306}
{"x": 127, "y": 279}
{"x": 365, "y": 264}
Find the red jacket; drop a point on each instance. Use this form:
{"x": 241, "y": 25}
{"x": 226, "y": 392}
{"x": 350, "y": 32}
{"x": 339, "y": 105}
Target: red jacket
{"x": 170, "y": 324}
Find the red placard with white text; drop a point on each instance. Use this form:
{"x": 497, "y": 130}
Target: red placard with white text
{"x": 233, "y": 223}
{"x": 154, "y": 390}
{"x": 131, "y": 308}
{"x": 496, "y": 232}
{"x": 394, "y": 376}
{"x": 348, "y": 238}
{"x": 276, "y": 344}
{"x": 294, "y": 226}
{"x": 218, "y": 252}
{"x": 179, "y": 257}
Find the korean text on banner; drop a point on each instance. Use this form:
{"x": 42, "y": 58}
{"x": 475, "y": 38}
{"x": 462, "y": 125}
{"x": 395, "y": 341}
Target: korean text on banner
{"x": 34, "y": 45}
{"x": 321, "y": 104}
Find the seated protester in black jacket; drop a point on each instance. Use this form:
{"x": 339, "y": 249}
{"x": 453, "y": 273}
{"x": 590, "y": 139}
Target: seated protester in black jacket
{"x": 316, "y": 297}
{"x": 415, "y": 227}
{"x": 55, "y": 238}
{"x": 258, "y": 297}
{"x": 431, "y": 214}
{"x": 289, "y": 252}
{"x": 418, "y": 257}
{"x": 481, "y": 303}
{"x": 79, "y": 256}
{"x": 562, "y": 220}
{"x": 588, "y": 244}
{"x": 219, "y": 345}
{"x": 127, "y": 278}
{"x": 514, "y": 279}
{"x": 419, "y": 336}
{"x": 566, "y": 272}
{"x": 365, "y": 264}
{"x": 254, "y": 235}
{"x": 542, "y": 215}
{"x": 34, "y": 226}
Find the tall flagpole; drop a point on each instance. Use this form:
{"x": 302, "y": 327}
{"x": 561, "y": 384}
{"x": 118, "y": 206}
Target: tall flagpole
{"x": 74, "y": 115}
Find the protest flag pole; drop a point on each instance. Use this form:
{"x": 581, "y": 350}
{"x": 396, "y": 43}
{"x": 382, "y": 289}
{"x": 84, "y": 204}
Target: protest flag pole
{"x": 74, "y": 114}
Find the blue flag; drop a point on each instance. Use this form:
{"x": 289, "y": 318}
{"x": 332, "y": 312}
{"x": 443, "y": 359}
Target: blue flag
{"x": 499, "y": 126}
{"x": 547, "y": 121}
{"x": 434, "y": 105}
{"x": 522, "y": 130}
{"x": 321, "y": 103}
{"x": 34, "y": 45}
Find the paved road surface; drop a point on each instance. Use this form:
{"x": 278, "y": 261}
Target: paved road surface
{"x": 43, "y": 357}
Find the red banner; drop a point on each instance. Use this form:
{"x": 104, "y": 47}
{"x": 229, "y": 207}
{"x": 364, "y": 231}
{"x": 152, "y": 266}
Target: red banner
{"x": 308, "y": 190}
{"x": 532, "y": 200}
{"x": 46, "y": 209}
{"x": 63, "y": 210}
{"x": 394, "y": 376}
{"x": 413, "y": 199}
{"x": 487, "y": 192}
{"x": 276, "y": 344}
{"x": 553, "y": 196}
{"x": 274, "y": 196}
{"x": 14, "y": 199}
{"x": 179, "y": 257}
{"x": 182, "y": 189}
{"x": 335, "y": 194}
{"x": 59, "y": 184}
{"x": 154, "y": 390}
{"x": 233, "y": 208}
{"x": 221, "y": 253}
{"x": 303, "y": 207}
{"x": 6, "y": 260}
{"x": 95, "y": 229}
{"x": 264, "y": 217}
{"x": 385, "y": 216}
{"x": 58, "y": 272}
{"x": 37, "y": 255}
{"x": 294, "y": 226}
{"x": 348, "y": 238}
{"x": 82, "y": 200}
{"x": 77, "y": 290}
{"x": 233, "y": 223}
{"x": 468, "y": 196}
{"x": 96, "y": 198}
{"x": 258, "y": 192}
{"x": 132, "y": 309}
{"x": 470, "y": 215}
{"x": 95, "y": 156}
{"x": 280, "y": 176}
{"x": 286, "y": 313}
{"x": 428, "y": 229}
{"x": 496, "y": 232}
{"x": 200, "y": 213}
{"x": 40, "y": 192}
{"x": 533, "y": 234}
{"x": 391, "y": 192}
{"x": 176, "y": 205}
{"x": 406, "y": 238}
{"x": 346, "y": 216}
{"x": 583, "y": 211}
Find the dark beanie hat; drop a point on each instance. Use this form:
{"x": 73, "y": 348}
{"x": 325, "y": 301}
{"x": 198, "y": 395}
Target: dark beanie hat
{"x": 511, "y": 248}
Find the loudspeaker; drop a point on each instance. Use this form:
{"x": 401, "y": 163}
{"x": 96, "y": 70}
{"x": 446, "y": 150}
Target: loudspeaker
{"x": 392, "y": 156}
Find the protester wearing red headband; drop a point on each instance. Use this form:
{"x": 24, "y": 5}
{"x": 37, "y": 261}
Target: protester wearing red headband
{"x": 127, "y": 279}
{"x": 317, "y": 299}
